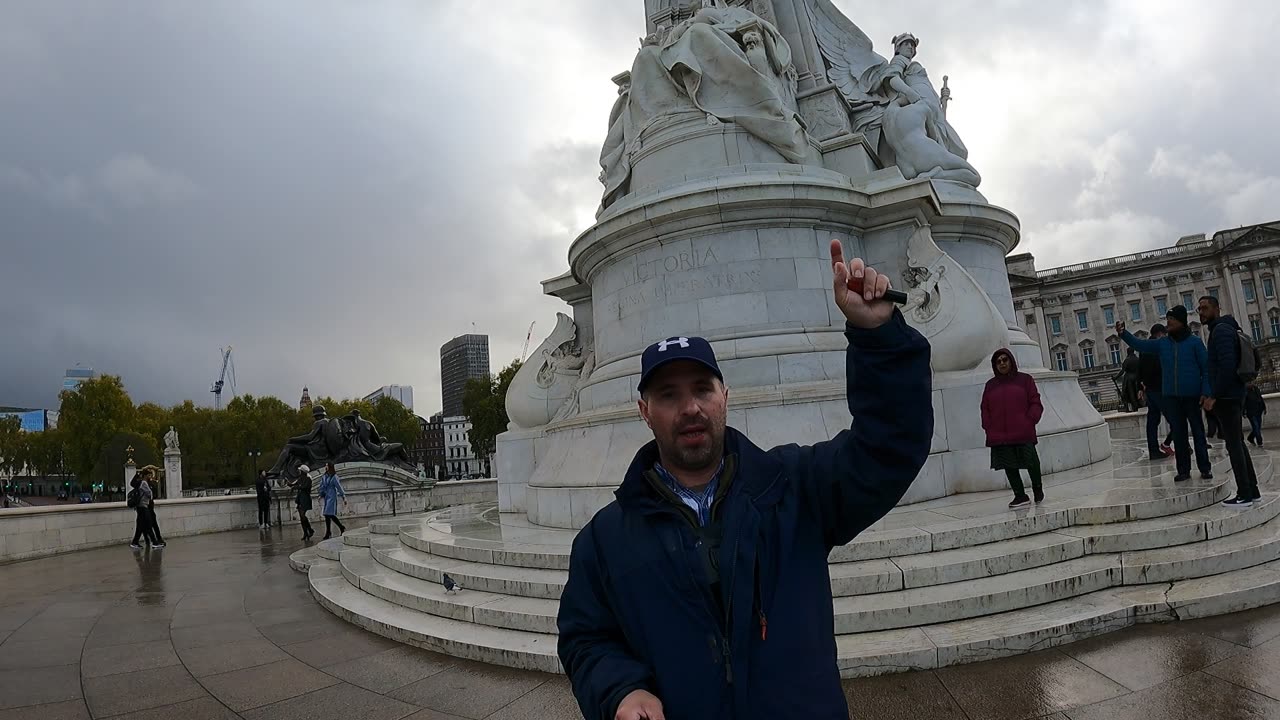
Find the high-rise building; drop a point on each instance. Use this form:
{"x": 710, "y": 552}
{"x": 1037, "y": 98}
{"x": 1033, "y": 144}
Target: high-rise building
{"x": 462, "y": 358}
{"x": 403, "y": 393}
{"x": 77, "y": 375}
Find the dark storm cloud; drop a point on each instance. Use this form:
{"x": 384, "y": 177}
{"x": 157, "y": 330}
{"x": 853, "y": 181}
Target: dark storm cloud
{"x": 338, "y": 188}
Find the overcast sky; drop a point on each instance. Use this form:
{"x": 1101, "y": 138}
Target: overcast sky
{"x": 338, "y": 188}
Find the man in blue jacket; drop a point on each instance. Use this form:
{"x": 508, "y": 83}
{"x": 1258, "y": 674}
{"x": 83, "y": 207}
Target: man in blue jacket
{"x": 1184, "y": 368}
{"x": 702, "y": 591}
{"x": 1226, "y": 397}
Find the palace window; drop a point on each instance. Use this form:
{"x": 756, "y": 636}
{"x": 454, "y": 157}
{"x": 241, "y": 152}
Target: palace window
{"x": 1114, "y": 349}
{"x": 1162, "y": 305}
{"x": 1275, "y": 326}
{"x": 1250, "y": 294}
{"x": 1268, "y": 288}
{"x": 1188, "y": 301}
{"x": 1055, "y": 324}
{"x": 1087, "y": 353}
{"x": 1060, "y": 360}
{"x": 1135, "y": 311}
{"x": 1255, "y": 327}
{"x": 1082, "y": 319}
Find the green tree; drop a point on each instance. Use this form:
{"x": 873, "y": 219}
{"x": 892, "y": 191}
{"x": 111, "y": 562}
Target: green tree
{"x": 484, "y": 400}
{"x": 45, "y": 451}
{"x": 14, "y": 448}
{"x": 92, "y": 415}
{"x": 395, "y": 422}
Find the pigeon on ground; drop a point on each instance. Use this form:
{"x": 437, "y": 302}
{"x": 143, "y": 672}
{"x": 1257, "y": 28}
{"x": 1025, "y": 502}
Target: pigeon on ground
{"x": 449, "y": 585}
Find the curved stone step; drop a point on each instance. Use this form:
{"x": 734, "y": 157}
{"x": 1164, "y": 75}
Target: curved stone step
{"x": 302, "y": 560}
{"x": 500, "y": 579}
{"x": 987, "y": 596}
{"x": 1233, "y": 552}
{"x": 1056, "y": 623}
{"x": 1212, "y": 522}
{"x": 503, "y": 611}
{"x": 510, "y": 648}
{"x": 858, "y": 655}
{"x": 330, "y": 549}
{"x": 356, "y": 538}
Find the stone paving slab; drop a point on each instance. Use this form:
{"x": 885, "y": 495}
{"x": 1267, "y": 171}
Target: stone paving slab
{"x": 232, "y": 612}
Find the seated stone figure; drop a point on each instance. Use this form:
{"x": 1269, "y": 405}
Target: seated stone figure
{"x": 726, "y": 62}
{"x": 364, "y": 443}
{"x": 323, "y": 444}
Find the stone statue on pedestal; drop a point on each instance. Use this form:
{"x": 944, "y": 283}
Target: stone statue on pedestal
{"x": 894, "y": 96}
{"x": 364, "y": 443}
{"x": 171, "y": 439}
{"x": 726, "y": 62}
{"x": 350, "y": 438}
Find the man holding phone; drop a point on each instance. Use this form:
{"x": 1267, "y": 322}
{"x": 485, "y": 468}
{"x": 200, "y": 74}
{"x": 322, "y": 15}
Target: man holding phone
{"x": 703, "y": 589}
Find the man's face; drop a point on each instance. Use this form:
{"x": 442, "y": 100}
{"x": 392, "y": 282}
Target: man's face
{"x": 1208, "y": 312}
{"x": 686, "y": 406}
{"x": 1174, "y": 324}
{"x": 907, "y": 49}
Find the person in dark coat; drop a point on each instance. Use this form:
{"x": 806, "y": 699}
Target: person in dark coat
{"x": 142, "y": 520}
{"x": 703, "y": 591}
{"x": 1226, "y": 398}
{"x": 1130, "y": 376}
{"x": 1254, "y": 408}
{"x": 263, "y": 488}
{"x": 1011, "y": 410}
{"x": 1151, "y": 380}
{"x": 303, "y": 500}
{"x": 1184, "y": 371}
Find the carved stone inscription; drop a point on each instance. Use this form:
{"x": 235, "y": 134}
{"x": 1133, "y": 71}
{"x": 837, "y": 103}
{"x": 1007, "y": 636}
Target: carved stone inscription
{"x": 688, "y": 276}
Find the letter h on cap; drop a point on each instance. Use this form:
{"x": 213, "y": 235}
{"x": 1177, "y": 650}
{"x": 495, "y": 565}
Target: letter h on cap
{"x": 681, "y": 341}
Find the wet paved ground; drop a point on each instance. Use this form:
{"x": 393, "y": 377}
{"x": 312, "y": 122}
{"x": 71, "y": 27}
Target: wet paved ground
{"x": 218, "y": 626}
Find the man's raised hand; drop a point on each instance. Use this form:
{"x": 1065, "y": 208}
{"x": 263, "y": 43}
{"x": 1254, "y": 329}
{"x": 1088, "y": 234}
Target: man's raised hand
{"x": 859, "y": 291}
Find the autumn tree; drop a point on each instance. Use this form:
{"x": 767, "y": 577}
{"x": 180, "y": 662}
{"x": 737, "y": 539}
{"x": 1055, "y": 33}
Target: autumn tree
{"x": 93, "y": 414}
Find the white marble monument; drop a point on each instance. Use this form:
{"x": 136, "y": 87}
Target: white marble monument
{"x": 745, "y": 136}
{"x": 172, "y": 465}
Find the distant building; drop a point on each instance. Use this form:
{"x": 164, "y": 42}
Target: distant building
{"x": 305, "y": 401}
{"x": 403, "y": 393}
{"x": 429, "y": 449}
{"x": 32, "y": 419}
{"x": 76, "y": 376}
{"x": 1071, "y": 311}
{"x": 460, "y": 461}
{"x": 461, "y": 359}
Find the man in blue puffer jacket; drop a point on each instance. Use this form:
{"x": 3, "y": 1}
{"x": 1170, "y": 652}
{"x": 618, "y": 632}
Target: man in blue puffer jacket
{"x": 703, "y": 591}
{"x": 1184, "y": 367}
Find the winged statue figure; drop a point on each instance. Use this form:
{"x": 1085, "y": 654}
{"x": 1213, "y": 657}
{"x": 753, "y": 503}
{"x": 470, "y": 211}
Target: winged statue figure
{"x": 894, "y": 96}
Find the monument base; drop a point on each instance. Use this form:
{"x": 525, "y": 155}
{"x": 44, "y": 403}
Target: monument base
{"x": 561, "y": 475}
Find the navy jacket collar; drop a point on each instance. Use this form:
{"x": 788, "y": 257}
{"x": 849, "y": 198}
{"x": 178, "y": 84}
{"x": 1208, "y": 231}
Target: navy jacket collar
{"x": 757, "y": 474}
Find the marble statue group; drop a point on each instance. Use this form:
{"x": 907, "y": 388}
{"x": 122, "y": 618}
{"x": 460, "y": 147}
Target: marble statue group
{"x": 350, "y": 438}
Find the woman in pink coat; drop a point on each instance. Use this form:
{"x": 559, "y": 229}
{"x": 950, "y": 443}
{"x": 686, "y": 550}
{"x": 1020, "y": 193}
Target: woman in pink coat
{"x": 1010, "y": 411}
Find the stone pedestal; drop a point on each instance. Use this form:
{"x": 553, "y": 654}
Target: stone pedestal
{"x": 172, "y": 473}
{"x": 741, "y": 257}
{"x": 130, "y": 471}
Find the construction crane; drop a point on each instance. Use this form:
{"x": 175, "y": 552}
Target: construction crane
{"x": 529, "y": 336}
{"x": 216, "y": 388}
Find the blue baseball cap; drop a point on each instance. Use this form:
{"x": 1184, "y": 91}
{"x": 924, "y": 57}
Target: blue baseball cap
{"x": 677, "y": 348}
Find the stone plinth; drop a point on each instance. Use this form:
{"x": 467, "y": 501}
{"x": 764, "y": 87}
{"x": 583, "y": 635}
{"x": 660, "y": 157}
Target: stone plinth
{"x": 172, "y": 473}
{"x": 741, "y": 257}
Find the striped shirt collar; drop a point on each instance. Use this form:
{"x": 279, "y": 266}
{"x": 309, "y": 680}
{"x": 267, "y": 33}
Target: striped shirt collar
{"x": 697, "y": 500}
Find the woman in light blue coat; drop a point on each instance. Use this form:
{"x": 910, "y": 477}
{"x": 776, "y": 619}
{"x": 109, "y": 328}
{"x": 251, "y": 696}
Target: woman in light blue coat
{"x": 330, "y": 490}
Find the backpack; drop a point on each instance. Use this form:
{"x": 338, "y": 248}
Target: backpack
{"x": 133, "y": 498}
{"x": 1248, "y": 359}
